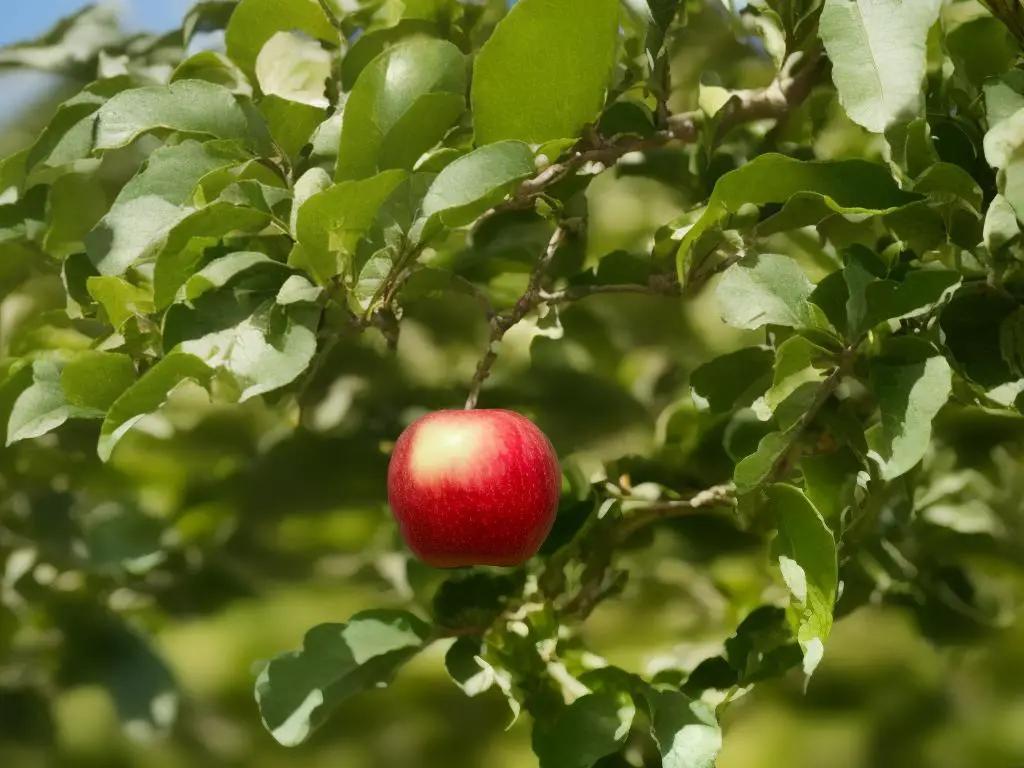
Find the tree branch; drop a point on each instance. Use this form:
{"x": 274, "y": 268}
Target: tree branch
{"x": 659, "y": 285}
{"x": 782, "y": 464}
{"x": 501, "y": 323}
{"x": 723, "y": 495}
{"x": 774, "y": 101}
{"x": 331, "y": 15}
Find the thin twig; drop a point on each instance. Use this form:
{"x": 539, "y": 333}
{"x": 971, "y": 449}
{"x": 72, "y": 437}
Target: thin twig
{"x": 577, "y": 292}
{"x": 774, "y": 101}
{"x": 331, "y": 15}
{"x": 723, "y": 495}
{"x": 783, "y": 463}
{"x": 501, "y": 323}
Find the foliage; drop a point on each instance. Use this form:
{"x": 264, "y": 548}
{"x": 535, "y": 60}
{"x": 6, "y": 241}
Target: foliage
{"x": 228, "y": 257}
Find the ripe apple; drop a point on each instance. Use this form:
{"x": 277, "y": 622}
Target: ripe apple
{"x": 476, "y": 487}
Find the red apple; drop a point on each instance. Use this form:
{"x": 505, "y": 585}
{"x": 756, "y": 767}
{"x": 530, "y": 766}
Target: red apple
{"x": 477, "y": 487}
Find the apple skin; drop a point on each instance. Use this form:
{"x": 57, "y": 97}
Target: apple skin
{"x": 476, "y": 487}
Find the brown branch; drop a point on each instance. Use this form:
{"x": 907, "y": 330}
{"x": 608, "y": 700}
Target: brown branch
{"x": 798, "y": 76}
{"x": 723, "y": 495}
{"x": 659, "y": 285}
{"x": 781, "y": 466}
{"x": 500, "y": 324}
{"x": 774, "y": 101}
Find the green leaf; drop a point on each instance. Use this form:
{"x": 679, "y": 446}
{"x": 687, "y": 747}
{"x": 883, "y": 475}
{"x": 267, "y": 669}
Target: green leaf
{"x": 77, "y": 202}
{"x": 1001, "y": 224}
{"x": 820, "y": 188}
{"x": 297, "y": 691}
{"x": 909, "y": 395}
{"x": 946, "y": 183}
{"x": 768, "y": 289}
{"x": 297, "y": 289}
{"x": 737, "y": 378}
{"x": 374, "y": 42}
{"x": 878, "y": 53}
{"x": 580, "y": 734}
{"x": 207, "y": 16}
{"x": 402, "y": 105}
{"x": 561, "y": 53}
{"x": 219, "y": 272}
{"x": 806, "y": 554}
{"x": 264, "y": 348}
{"x": 1004, "y": 150}
{"x": 797, "y": 362}
{"x": 291, "y": 123}
{"x": 371, "y": 276}
{"x": 475, "y": 598}
{"x": 142, "y": 686}
{"x": 254, "y": 22}
{"x": 182, "y": 249}
{"x": 94, "y": 380}
{"x": 152, "y": 202}
{"x": 475, "y": 182}
{"x": 687, "y": 734}
{"x": 466, "y": 666}
{"x": 147, "y": 395}
{"x": 308, "y": 184}
{"x": 830, "y": 480}
{"x": 763, "y": 647}
{"x": 213, "y": 67}
{"x": 295, "y": 69}
{"x": 918, "y": 294}
{"x": 331, "y": 223}
{"x": 43, "y": 406}
{"x": 68, "y": 138}
{"x": 121, "y": 539}
{"x": 1003, "y": 97}
{"x": 982, "y": 48}
{"x": 188, "y": 106}
{"x": 756, "y": 468}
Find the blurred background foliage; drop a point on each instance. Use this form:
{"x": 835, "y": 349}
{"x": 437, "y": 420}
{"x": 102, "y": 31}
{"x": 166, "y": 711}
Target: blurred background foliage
{"x": 248, "y": 527}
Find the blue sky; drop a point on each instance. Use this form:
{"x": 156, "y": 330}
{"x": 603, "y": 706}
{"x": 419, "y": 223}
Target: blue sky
{"x": 26, "y": 19}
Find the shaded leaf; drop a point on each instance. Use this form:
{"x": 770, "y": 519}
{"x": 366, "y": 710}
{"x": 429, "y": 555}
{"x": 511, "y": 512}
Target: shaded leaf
{"x": 756, "y": 468}
{"x": 806, "y": 553}
{"x": 263, "y": 347}
{"x": 147, "y": 395}
{"x": 687, "y": 734}
{"x": 580, "y": 734}
{"x": 182, "y": 249}
{"x": 733, "y": 379}
{"x": 330, "y": 223}
{"x": 822, "y": 187}
{"x": 297, "y": 691}
{"x": 43, "y": 406}
{"x": 152, "y": 202}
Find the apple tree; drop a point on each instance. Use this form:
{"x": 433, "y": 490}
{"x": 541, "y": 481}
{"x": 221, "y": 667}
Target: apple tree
{"x": 754, "y": 268}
